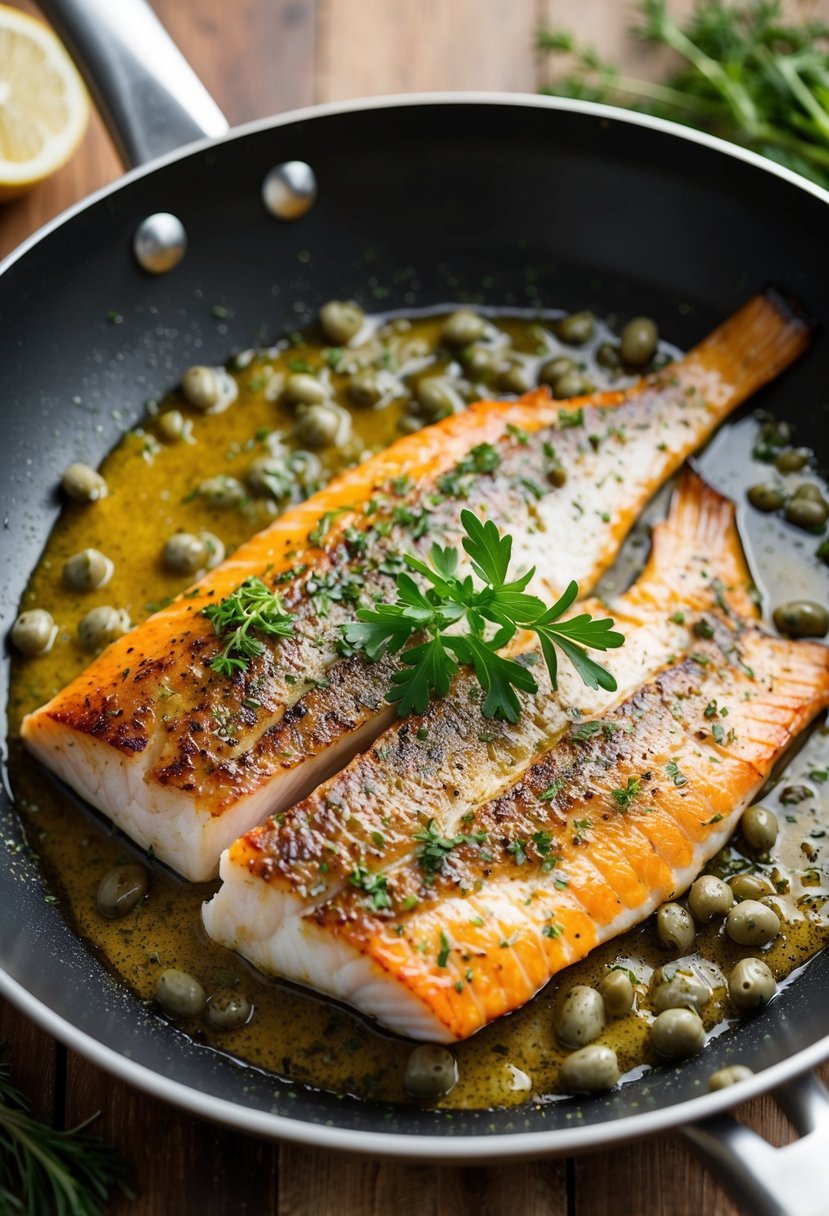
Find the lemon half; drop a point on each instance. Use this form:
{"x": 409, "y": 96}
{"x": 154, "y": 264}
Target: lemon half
{"x": 44, "y": 107}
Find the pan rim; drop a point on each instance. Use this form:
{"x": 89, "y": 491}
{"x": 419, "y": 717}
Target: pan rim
{"x": 417, "y": 1146}
{"x": 589, "y": 109}
{"x": 395, "y": 1145}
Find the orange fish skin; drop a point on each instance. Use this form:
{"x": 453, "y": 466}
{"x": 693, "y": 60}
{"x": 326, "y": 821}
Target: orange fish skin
{"x": 143, "y": 733}
{"x": 479, "y": 936}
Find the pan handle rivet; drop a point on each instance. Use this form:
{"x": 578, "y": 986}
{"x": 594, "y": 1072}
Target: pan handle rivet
{"x": 290, "y": 189}
{"x": 160, "y": 242}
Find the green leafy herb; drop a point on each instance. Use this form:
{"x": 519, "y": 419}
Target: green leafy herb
{"x": 374, "y": 885}
{"x": 675, "y": 773}
{"x": 45, "y": 1170}
{"x": 443, "y": 956}
{"x": 748, "y": 75}
{"x": 552, "y": 791}
{"x": 552, "y": 931}
{"x": 518, "y": 848}
{"x": 624, "y": 797}
{"x": 252, "y": 607}
{"x": 434, "y": 849}
{"x": 450, "y": 603}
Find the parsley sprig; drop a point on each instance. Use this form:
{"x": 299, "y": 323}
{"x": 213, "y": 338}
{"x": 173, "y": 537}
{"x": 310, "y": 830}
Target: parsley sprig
{"x": 252, "y": 607}
{"x": 456, "y": 617}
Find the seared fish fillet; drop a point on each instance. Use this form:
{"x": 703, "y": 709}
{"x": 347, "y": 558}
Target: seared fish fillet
{"x": 185, "y": 760}
{"x": 396, "y": 808}
{"x": 618, "y": 817}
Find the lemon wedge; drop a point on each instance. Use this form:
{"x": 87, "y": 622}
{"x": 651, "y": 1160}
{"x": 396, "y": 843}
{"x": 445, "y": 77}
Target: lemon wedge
{"x": 44, "y": 107}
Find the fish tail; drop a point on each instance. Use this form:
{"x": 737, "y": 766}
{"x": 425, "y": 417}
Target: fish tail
{"x": 699, "y": 543}
{"x": 751, "y": 347}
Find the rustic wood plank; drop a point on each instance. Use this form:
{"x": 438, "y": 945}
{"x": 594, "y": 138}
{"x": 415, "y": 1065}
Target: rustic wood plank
{"x": 177, "y": 1163}
{"x": 375, "y": 47}
{"x": 32, "y": 1055}
{"x": 312, "y": 1183}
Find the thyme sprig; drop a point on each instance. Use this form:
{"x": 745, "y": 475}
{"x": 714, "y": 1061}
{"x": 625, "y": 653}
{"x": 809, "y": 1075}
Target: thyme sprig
{"x": 43, "y": 1169}
{"x": 456, "y": 617}
{"x": 748, "y": 74}
{"x": 251, "y": 608}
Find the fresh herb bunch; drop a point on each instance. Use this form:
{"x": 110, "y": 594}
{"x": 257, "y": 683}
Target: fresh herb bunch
{"x": 252, "y": 607}
{"x": 749, "y": 76}
{"x": 450, "y": 604}
{"x": 45, "y": 1170}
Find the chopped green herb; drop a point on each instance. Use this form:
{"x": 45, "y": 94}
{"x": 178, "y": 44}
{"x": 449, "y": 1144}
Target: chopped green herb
{"x": 675, "y": 773}
{"x": 251, "y": 607}
{"x": 443, "y": 956}
{"x": 552, "y": 931}
{"x": 375, "y": 887}
{"x": 624, "y": 797}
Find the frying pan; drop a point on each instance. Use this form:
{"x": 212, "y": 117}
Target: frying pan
{"x": 501, "y": 199}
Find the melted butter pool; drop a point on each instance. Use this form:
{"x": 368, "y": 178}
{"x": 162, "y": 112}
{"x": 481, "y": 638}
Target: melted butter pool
{"x": 153, "y": 493}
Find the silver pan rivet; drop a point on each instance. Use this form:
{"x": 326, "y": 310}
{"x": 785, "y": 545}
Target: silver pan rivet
{"x": 290, "y": 189}
{"x": 160, "y": 242}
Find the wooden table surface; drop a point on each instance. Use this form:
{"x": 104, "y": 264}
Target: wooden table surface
{"x": 259, "y": 57}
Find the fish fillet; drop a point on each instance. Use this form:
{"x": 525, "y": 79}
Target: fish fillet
{"x": 185, "y": 760}
{"x": 427, "y": 776}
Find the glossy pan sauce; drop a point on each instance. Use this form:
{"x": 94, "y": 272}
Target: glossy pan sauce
{"x": 292, "y": 1033}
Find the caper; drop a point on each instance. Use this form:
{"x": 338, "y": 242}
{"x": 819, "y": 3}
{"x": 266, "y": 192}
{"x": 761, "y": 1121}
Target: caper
{"x": 179, "y": 994}
{"x": 807, "y": 513}
{"x": 202, "y": 387}
{"x": 608, "y": 356}
{"x": 792, "y": 794}
{"x": 709, "y": 897}
{"x": 120, "y": 890}
{"x": 802, "y": 619}
{"x": 750, "y": 886}
{"x": 765, "y": 497}
{"x": 572, "y": 384}
{"x": 679, "y": 989}
{"x": 172, "y": 426}
{"x": 581, "y": 1017}
{"x": 228, "y": 1010}
{"x": 751, "y": 984}
{"x": 732, "y": 1074}
{"x": 321, "y": 425}
{"x": 751, "y": 923}
{"x": 269, "y": 476}
{"x": 479, "y": 362}
{"x": 640, "y": 338}
{"x": 515, "y": 379}
{"x": 303, "y": 389}
{"x": 590, "y": 1070}
{"x": 341, "y": 321}
{"x": 437, "y": 398}
{"x": 83, "y": 484}
{"x": 677, "y": 1033}
{"x": 759, "y": 827}
{"x": 431, "y": 1072}
{"x": 409, "y": 423}
{"x": 184, "y": 553}
{"x": 617, "y": 993}
{"x": 554, "y": 369}
{"x": 364, "y": 390}
{"x": 576, "y": 329}
{"x": 675, "y": 928}
{"x": 793, "y": 461}
{"x": 221, "y": 491}
{"x": 811, "y": 491}
{"x": 34, "y": 632}
{"x": 462, "y": 327}
{"x": 101, "y": 626}
{"x": 215, "y": 550}
{"x": 87, "y": 570}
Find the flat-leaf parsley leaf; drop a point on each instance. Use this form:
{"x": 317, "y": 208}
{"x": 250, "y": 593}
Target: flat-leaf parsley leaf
{"x": 252, "y": 607}
{"x": 454, "y": 618}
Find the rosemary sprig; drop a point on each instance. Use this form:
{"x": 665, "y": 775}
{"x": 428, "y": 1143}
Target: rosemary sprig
{"x": 43, "y": 1170}
{"x": 456, "y": 617}
{"x": 252, "y": 607}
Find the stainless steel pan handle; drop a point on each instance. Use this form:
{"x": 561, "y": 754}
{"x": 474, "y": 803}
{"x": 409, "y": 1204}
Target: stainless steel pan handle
{"x": 149, "y": 97}
{"x": 768, "y": 1181}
